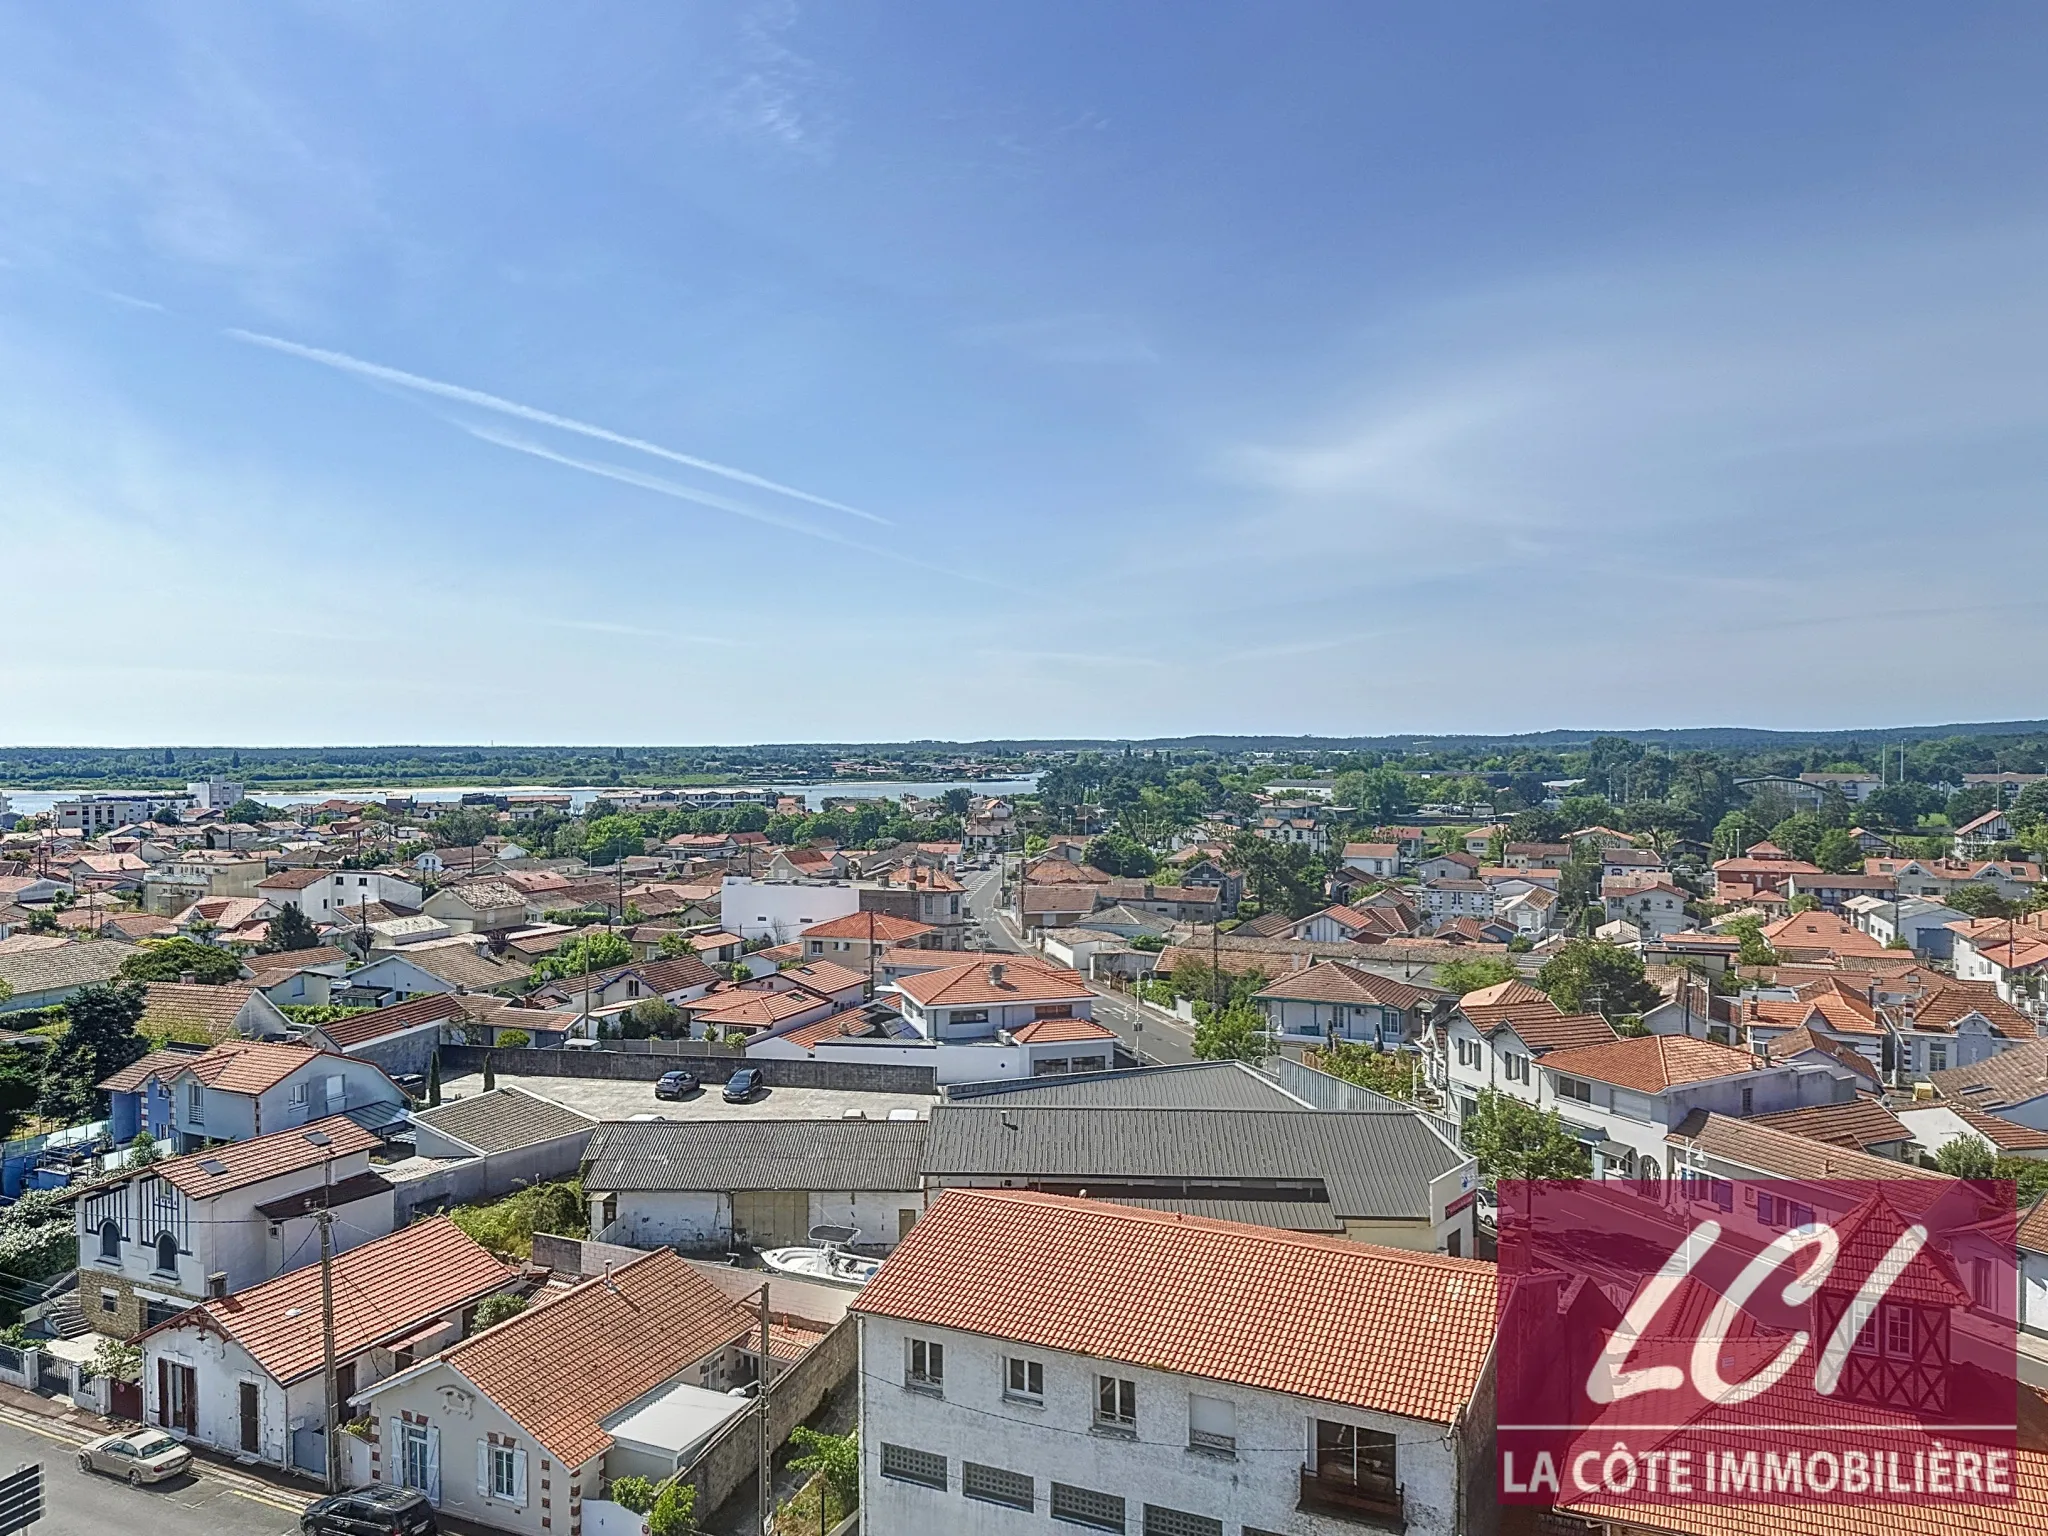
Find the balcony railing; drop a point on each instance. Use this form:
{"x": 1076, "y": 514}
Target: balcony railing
{"x": 1351, "y": 1501}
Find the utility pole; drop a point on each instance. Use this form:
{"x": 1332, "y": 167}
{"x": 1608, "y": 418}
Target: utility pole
{"x": 325, "y": 1218}
{"x": 766, "y": 1484}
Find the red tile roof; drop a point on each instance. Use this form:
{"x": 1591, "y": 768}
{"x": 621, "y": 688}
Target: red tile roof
{"x": 1860, "y": 1123}
{"x": 559, "y": 1369}
{"x": 1652, "y": 1063}
{"x": 1051, "y": 1031}
{"x": 993, "y": 981}
{"x": 248, "y": 1066}
{"x": 2005, "y": 1135}
{"x": 1782, "y": 1154}
{"x": 382, "y": 1290}
{"x": 1313, "y": 1317}
{"x": 263, "y": 1157}
{"x": 1798, "y": 1041}
{"x": 1335, "y": 982}
{"x": 878, "y": 926}
{"x": 433, "y": 1008}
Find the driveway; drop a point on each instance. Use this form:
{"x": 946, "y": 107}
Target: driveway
{"x": 606, "y": 1098}
{"x": 206, "y": 1503}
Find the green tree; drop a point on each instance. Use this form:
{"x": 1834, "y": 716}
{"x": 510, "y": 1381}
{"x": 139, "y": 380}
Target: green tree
{"x": 1514, "y": 1140}
{"x": 1899, "y": 806}
{"x": 635, "y": 1493}
{"x": 462, "y": 827}
{"x": 1756, "y": 949}
{"x": 608, "y": 839}
{"x": 1736, "y": 833}
{"x": 675, "y": 1511}
{"x": 249, "y": 812}
{"x": 142, "y": 1151}
{"x": 598, "y": 949}
{"x": 44, "y": 923}
{"x": 674, "y": 946}
{"x": 1116, "y": 854}
{"x": 1799, "y": 835}
{"x": 651, "y": 1016}
{"x": 291, "y": 929}
{"x": 1462, "y": 976}
{"x": 514, "y": 1039}
{"x": 1979, "y": 901}
{"x": 2029, "y": 1176}
{"x": 1379, "y": 795}
{"x": 99, "y": 1039}
{"x": 1967, "y": 1157}
{"x": 836, "y": 1458}
{"x": 173, "y": 959}
{"x": 1237, "y": 1033}
{"x": 1389, "y": 1072}
{"x": 1838, "y": 853}
{"x": 18, "y": 1095}
{"x": 1590, "y": 974}
{"x": 495, "y": 1308}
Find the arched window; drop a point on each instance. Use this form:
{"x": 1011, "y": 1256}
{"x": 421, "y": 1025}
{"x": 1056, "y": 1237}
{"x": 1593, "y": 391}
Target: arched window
{"x": 1646, "y": 1168}
{"x": 167, "y": 1254}
{"x": 110, "y": 1240}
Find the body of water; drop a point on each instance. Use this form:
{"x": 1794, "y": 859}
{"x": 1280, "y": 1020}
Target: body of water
{"x": 32, "y": 802}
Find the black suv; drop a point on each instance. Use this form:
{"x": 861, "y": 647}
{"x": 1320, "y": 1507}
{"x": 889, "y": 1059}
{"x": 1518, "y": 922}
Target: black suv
{"x": 370, "y": 1512}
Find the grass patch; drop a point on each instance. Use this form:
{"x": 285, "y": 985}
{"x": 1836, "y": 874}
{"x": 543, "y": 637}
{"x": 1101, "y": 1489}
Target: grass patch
{"x": 507, "y": 1226}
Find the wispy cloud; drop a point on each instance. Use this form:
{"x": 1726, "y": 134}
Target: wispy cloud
{"x": 132, "y": 302}
{"x": 666, "y": 487}
{"x": 489, "y": 402}
{"x": 1082, "y": 658}
{"x": 772, "y": 92}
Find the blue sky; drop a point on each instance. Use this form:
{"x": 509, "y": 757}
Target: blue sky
{"x": 691, "y": 373}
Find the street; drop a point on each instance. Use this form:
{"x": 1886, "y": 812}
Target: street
{"x": 1153, "y": 1039}
{"x": 85, "y": 1504}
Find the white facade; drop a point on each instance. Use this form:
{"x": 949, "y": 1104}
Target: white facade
{"x": 1209, "y": 1449}
{"x": 2022, "y": 986}
{"x": 756, "y": 909}
{"x": 1964, "y": 1043}
{"x": 341, "y": 891}
{"x": 325, "y": 1085}
{"x": 150, "y": 1238}
{"x": 1625, "y": 1130}
{"x": 1656, "y": 912}
{"x": 213, "y": 794}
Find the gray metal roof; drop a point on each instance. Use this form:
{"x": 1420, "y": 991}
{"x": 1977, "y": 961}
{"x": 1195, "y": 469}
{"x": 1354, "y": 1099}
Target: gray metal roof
{"x": 1372, "y": 1166}
{"x": 725, "y": 1155}
{"x": 1193, "y": 1085}
{"x": 504, "y": 1120}
{"x": 1284, "y": 1215}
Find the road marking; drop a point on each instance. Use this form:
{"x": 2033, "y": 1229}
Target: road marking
{"x": 242, "y": 1488}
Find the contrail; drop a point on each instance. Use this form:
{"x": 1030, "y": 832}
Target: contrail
{"x": 477, "y": 397}
{"x": 663, "y": 487}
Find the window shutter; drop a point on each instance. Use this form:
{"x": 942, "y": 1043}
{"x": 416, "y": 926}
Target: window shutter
{"x": 519, "y": 1478}
{"x": 163, "y": 1391}
{"x": 433, "y": 1488}
{"x": 483, "y": 1470}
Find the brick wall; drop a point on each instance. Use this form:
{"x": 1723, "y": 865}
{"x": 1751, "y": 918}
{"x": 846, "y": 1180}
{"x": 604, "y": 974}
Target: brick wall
{"x": 729, "y": 1463}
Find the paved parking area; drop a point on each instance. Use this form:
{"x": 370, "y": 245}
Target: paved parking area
{"x": 606, "y": 1098}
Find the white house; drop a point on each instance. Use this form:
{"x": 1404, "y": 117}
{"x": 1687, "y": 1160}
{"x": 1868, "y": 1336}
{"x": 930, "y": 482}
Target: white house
{"x": 520, "y": 1426}
{"x": 1649, "y": 903}
{"x": 154, "y": 1241}
{"x": 756, "y": 909}
{"x": 245, "y": 1372}
{"x": 1380, "y": 860}
{"x": 1922, "y": 923}
{"x": 976, "y": 1001}
{"x": 328, "y": 895}
{"x": 245, "y": 1088}
{"x": 1455, "y": 898}
{"x": 1131, "y": 1372}
{"x": 480, "y": 906}
{"x": 1953, "y": 1023}
{"x": 1340, "y": 1001}
{"x": 1497, "y": 1035}
{"x": 1622, "y": 1098}
{"x": 2010, "y": 955}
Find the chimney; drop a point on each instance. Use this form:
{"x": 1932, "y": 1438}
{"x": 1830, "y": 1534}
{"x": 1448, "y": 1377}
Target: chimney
{"x": 995, "y": 973}
{"x": 216, "y": 1285}
{"x": 189, "y": 978}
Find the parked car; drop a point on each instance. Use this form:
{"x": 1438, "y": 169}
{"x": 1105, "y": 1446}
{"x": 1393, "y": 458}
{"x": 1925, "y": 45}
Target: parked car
{"x": 1488, "y": 1208}
{"x": 370, "y": 1512}
{"x": 743, "y": 1085}
{"x": 143, "y": 1456}
{"x": 675, "y": 1085}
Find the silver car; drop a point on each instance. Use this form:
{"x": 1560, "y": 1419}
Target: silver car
{"x": 141, "y": 1456}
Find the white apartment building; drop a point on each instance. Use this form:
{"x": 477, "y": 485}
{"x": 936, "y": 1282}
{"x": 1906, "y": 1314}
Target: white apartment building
{"x": 213, "y": 794}
{"x": 1129, "y": 1373}
{"x": 328, "y": 895}
{"x": 1652, "y": 905}
{"x": 90, "y": 815}
{"x": 756, "y": 909}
